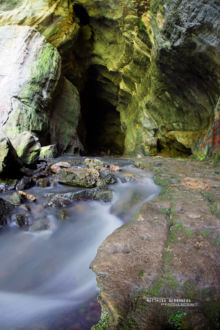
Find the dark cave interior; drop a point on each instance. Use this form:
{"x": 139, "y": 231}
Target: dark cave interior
{"x": 102, "y": 125}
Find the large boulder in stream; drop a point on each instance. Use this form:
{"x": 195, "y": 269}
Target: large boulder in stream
{"x": 94, "y": 176}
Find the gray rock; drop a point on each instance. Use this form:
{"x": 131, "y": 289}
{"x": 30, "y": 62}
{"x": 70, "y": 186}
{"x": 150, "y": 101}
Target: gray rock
{"x": 66, "y": 199}
{"x": 16, "y": 198}
{"x": 25, "y": 183}
{"x": 22, "y": 220}
{"x": 41, "y": 224}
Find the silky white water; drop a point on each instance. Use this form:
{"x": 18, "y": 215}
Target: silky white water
{"x": 45, "y": 273}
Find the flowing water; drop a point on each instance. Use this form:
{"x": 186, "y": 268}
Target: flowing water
{"x": 45, "y": 280}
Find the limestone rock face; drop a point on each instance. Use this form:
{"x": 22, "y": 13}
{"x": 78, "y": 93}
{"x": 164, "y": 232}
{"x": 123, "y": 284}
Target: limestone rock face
{"x": 64, "y": 119}
{"x": 52, "y": 18}
{"x": 157, "y": 64}
{"x": 30, "y": 71}
{"x": 34, "y": 96}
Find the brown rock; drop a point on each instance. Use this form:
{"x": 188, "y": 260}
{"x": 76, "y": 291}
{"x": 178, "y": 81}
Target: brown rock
{"x": 55, "y": 168}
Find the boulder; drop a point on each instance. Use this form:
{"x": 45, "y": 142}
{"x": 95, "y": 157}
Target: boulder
{"x": 29, "y": 73}
{"x": 48, "y": 152}
{"x": 94, "y": 163}
{"x": 53, "y": 19}
{"x": 78, "y": 177}
{"x": 27, "y": 147}
{"x": 65, "y": 199}
{"x": 10, "y": 164}
{"x": 57, "y": 167}
{"x": 85, "y": 177}
{"x": 33, "y": 95}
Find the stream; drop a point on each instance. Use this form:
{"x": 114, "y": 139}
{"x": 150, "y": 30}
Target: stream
{"x": 45, "y": 280}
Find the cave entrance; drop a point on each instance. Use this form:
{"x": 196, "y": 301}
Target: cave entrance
{"x": 103, "y": 133}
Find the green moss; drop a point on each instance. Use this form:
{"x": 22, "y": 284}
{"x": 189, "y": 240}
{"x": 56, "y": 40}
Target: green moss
{"x": 104, "y": 323}
{"x": 141, "y": 273}
{"x": 205, "y": 233}
{"x": 141, "y": 26}
{"x": 170, "y": 281}
{"x": 161, "y": 182}
{"x": 177, "y": 227}
{"x": 167, "y": 282}
{"x": 190, "y": 290}
{"x": 129, "y": 324}
{"x": 155, "y": 289}
{"x": 212, "y": 311}
{"x": 217, "y": 241}
{"x": 167, "y": 256}
{"x": 199, "y": 155}
{"x": 177, "y": 320}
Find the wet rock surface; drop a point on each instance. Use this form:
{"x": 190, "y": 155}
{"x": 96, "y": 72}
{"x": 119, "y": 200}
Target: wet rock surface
{"x": 27, "y": 147}
{"x": 10, "y": 163}
{"x": 170, "y": 251}
{"x": 95, "y": 174}
{"x": 5, "y": 211}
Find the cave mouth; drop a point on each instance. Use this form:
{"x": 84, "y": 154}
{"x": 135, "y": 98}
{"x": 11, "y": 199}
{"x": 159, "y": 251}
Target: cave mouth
{"x": 82, "y": 14}
{"x": 102, "y": 125}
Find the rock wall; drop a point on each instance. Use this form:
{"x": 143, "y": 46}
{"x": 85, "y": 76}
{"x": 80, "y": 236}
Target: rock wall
{"x": 52, "y": 18}
{"x": 157, "y": 64}
{"x": 30, "y": 81}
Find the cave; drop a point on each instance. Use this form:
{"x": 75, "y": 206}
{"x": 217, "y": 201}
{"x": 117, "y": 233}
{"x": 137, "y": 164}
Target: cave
{"x": 82, "y": 14}
{"x": 102, "y": 126}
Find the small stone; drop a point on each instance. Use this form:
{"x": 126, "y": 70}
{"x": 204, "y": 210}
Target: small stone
{"x": 16, "y": 198}
{"x": 21, "y": 220}
{"x": 41, "y": 224}
{"x": 57, "y": 167}
{"x": 25, "y": 183}
{"x": 62, "y": 215}
{"x": 94, "y": 163}
{"x": 43, "y": 182}
{"x": 114, "y": 168}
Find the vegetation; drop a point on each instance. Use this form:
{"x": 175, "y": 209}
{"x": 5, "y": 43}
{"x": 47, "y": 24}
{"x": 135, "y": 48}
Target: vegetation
{"x": 177, "y": 320}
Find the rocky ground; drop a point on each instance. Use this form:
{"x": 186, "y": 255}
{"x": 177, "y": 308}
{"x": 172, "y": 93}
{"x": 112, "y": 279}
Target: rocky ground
{"x": 162, "y": 270}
